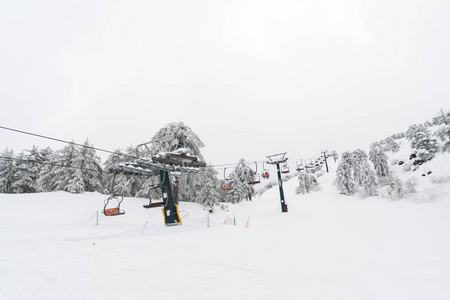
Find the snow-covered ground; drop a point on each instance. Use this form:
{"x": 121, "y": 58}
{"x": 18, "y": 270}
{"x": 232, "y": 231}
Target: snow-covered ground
{"x": 328, "y": 246}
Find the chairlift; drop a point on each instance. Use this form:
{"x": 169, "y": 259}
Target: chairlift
{"x": 265, "y": 173}
{"x": 113, "y": 211}
{"x": 285, "y": 169}
{"x": 300, "y": 166}
{"x": 158, "y": 203}
{"x": 255, "y": 178}
{"x": 226, "y": 182}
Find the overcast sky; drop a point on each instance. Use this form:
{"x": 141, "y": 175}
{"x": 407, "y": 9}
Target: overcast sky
{"x": 251, "y": 78}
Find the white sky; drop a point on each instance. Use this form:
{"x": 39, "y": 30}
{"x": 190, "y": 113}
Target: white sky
{"x": 251, "y": 78}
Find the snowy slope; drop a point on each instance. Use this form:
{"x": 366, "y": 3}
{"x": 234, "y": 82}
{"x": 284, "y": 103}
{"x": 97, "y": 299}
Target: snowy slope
{"x": 328, "y": 246}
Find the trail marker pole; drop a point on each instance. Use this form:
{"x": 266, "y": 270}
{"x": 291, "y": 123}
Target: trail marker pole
{"x": 274, "y": 161}
{"x": 145, "y": 226}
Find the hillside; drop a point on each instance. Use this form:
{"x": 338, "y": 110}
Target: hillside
{"x": 328, "y": 246}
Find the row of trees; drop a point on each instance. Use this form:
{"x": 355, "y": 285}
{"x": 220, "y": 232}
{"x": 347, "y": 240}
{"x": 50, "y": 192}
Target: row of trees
{"x": 73, "y": 169}
{"x": 78, "y": 169}
{"x": 355, "y": 171}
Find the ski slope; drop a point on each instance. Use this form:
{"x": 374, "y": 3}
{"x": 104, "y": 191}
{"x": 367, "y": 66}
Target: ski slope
{"x": 328, "y": 246}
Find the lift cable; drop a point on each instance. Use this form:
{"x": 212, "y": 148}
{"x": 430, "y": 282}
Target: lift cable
{"x": 67, "y": 142}
{"x": 107, "y": 151}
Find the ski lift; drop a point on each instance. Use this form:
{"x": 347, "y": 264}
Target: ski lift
{"x": 255, "y": 178}
{"x": 285, "y": 169}
{"x": 159, "y": 203}
{"x": 300, "y": 166}
{"x": 265, "y": 173}
{"x": 226, "y": 182}
{"x": 113, "y": 211}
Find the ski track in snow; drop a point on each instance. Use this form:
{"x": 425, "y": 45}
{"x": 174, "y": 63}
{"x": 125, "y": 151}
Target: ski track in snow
{"x": 328, "y": 246}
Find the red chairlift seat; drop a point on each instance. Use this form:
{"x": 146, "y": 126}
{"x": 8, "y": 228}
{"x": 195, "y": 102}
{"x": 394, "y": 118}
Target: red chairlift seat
{"x": 226, "y": 187}
{"x": 113, "y": 211}
{"x": 265, "y": 174}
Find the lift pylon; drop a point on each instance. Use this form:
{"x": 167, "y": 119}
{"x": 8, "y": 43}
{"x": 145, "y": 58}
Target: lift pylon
{"x": 168, "y": 164}
{"x": 276, "y": 159}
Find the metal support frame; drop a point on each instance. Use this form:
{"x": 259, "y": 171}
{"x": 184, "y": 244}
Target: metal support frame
{"x": 325, "y": 156}
{"x": 275, "y": 161}
{"x": 147, "y": 167}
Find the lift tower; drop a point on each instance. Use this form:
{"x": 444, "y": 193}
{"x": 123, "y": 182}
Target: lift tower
{"x": 174, "y": 163}
{"x": 276, "y": 159}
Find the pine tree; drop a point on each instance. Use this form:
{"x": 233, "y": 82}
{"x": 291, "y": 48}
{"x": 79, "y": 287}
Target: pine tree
{"x": 91, "y": 168}
{"x": 113, "y": 160}
{"x": 189, "y": 183}
{"x": 379, "y": 160}
{"x": 237, "y": 192}
{"x": 174, "y": 136}
{"x": 76, "y": 184}
{"x": 391, "y": 145}
{"x": 363, "y": 173}
{"x": 245, "y": 175}
{"x": 358, "y": 162}
{"x": 443, "y": 133}
{"x": 345, "y": 180}
{"x": 369, "y": 180}
{"x": 64, "y": 170}
{"x": 7, "y": 171}
{"x": 306, "y": 182}
{"x": 26, "y": 174}
{"x": 47, "y": 175}
{"x": 209, "y": 193}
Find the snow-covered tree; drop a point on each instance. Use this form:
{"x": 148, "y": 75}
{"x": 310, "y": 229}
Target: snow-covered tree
{"x": 76, "y": 184}
{"x": 128, "y": 185}
{"x": 171, "y": 137}
{"x": 88, "y": 162}
{"x": 443, "y": 133}
{"x": 237, "y": 191}
{"x": 344, "y": 175}
{"x": 209, "y": 194}
{"x": 379, "y": 160}
{"x": 29, "y": 164}
{"x": 395, "y": 187}
{"x": 391, "y": 145}
{"x": 174, "y": 136}
{"x": 426, "y": 146}
{"x": 48, "y": 174}
{"x": 369, "y": 180}
{"x": 245, "y": 175}
{"x": 113, "y": 160}
{"x": 358, "y": 161}
{"x": 307, "y": 182}
{"x": 7, "y": 171}
{"x": 412, "y": 130}
{"x": 443, "y": 117}
{"x": 64, "y": 170}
